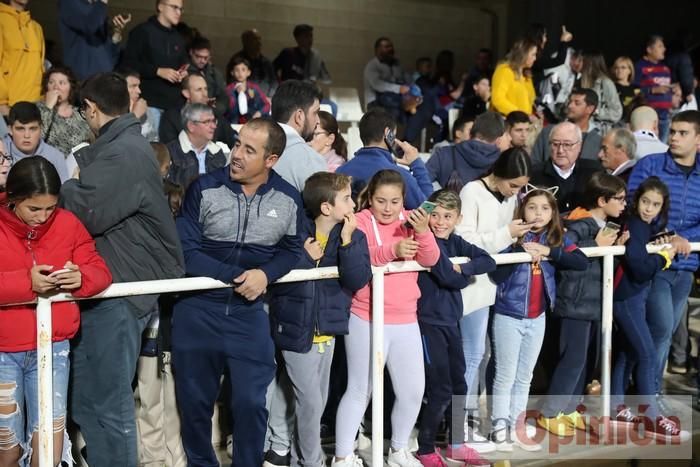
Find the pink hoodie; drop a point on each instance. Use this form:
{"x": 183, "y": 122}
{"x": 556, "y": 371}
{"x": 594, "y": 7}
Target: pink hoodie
{"x": 401, "y": 290}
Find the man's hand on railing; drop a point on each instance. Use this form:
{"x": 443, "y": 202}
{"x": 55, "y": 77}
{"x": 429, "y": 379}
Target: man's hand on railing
{"x": 41, "y": 282}
{"x": 251, "y": 284}
{"x": 681, "y": 245}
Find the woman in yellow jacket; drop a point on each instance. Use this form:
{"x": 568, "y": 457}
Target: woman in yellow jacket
{"x": 512, "y": 87}
{"x": 21, "y": 55}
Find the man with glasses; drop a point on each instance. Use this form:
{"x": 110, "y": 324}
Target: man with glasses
{"x": 579, "y": 111}
{"x": 24, "y": 138}
{"x": 157, "y": 51}
{"x": 200, "y": 64}
{"x": 195, "y": 91}
{"x": 194, "y": 152}
{"x": 565, "y": 169}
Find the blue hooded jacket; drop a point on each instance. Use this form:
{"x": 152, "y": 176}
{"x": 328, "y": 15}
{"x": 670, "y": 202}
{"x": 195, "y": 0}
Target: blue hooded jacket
{"x": 684, "y": 212}
{"x": 299, "y": 310}
{"x": 368, "y": 161}
{"x": 473, "y": 159}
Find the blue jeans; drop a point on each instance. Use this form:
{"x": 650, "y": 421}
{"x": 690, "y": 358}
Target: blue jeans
{"x": 635, "y": 348}
{"x": 105, "y": 353}
{"x": 667, "y": 298}
{"x": 516, "y": 344}
{"x": 473, "y": 327}
{"x": 154, "y": 115}
{"x": 664, "y": 126}
{"x": 21, "y": 370}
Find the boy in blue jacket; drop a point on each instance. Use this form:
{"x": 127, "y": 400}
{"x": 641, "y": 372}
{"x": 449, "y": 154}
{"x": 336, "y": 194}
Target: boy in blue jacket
{"x": 439, "y": 313}
{"x": 306, "y": 316}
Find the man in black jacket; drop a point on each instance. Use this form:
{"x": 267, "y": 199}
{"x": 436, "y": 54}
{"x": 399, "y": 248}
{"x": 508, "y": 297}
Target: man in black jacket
{"x": 565, "y": 168}
{"x": 119, "y": 198}
{"x": 157, "y": 51}
{"x": 195, "y": 91}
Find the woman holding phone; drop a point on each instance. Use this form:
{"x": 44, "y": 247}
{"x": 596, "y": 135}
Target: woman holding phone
{"x": 45, "y": 250}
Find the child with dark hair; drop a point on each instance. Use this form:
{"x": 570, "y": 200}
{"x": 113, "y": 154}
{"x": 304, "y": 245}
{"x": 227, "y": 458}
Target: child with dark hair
{"x": 246, "y": 100}
{"x": 525, "y": 292}
{"x": 579, "y": 301}
{"x": 306, "y": 316}
{"x": 439, "y": 313}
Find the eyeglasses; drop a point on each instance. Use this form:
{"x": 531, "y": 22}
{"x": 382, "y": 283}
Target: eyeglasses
{"x": 565, "y": 145}
{"x": 175, "y": 7}
{"x": 209, "y": 121}
{"x": 5, "y": 158}
{"x": 316, "y": 133}
{"x": 622, "y": 199}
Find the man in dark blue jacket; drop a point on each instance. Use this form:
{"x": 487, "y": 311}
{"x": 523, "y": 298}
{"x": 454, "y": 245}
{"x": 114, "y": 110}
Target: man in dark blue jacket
{"x": 376, "y": 156}
{"x": 239, "y": 225}
{"x": 679, "y": 169}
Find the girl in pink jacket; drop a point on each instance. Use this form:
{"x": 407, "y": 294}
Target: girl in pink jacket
{"x": 386, "y": 225}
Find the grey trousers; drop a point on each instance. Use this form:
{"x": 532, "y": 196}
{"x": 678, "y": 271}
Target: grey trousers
{"x": 297, "y": 403}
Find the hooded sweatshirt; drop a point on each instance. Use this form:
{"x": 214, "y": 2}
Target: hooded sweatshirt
{"x": 472, "y": 159}
{"x": 22, "y": 56}
{"x": 401, "y": 292}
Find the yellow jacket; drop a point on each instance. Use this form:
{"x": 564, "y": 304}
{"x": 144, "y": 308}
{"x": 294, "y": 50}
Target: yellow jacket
{"x": 509, "y": 94}
{"x": 21, "y": 56}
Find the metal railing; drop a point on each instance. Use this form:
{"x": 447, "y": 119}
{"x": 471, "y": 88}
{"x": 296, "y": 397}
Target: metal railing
{"x": 44, "y": 333}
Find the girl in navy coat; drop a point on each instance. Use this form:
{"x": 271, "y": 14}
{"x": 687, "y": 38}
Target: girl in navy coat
{"x": 648, "y": 216}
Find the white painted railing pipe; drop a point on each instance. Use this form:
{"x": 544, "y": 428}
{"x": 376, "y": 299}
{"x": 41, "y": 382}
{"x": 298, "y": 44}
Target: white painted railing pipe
{"x": 44, "y": 350}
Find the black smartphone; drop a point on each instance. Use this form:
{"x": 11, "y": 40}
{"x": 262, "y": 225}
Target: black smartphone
{"x": 655, "y": 237}
{"x": 390, "y": 140}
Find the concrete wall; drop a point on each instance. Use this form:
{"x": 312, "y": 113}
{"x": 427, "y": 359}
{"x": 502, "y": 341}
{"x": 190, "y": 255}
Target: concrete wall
{"x": 345, "y": 30}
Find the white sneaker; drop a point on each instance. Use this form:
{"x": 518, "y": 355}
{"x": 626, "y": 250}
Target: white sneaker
{"x": 350, "y": 461}
{"x": 402, "y": 458}
{"x": 478, "y": 442}
{"x": 500, "y": 437}
{"x": 525, "y": 441}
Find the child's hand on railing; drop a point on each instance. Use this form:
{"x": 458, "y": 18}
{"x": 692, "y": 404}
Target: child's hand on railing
{"x": 681, "y": 245}
{"x": 622, "y": 239}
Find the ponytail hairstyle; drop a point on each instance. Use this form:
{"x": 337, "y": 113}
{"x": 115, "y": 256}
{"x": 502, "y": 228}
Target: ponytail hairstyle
{"x": 553, "y": 230}
{"x": 330, "y": 125}
{"x": 383, "y": 177}
{"x": 653, "y": 183}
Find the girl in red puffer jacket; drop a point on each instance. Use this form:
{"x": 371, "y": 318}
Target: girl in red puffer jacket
{"x": 44, "y": 250}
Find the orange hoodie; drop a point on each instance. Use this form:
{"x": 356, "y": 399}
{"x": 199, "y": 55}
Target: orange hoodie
{"x": 21, "y": 56}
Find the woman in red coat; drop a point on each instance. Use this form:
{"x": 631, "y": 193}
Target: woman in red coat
{"x": 44, "y": 250}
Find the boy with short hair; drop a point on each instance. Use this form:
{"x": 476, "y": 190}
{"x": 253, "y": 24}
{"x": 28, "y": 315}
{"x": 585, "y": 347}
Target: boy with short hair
{"x": 439, "y": 313}
{"x": 246, "y": 100}
{"x": 306, "y": 316}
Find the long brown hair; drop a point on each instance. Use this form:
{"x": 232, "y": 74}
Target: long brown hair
{"x": 383, "y": 177}
{"x": 554, "y": 230}
{"x": 517, "y": 56}
{"x": 330, "y": 125}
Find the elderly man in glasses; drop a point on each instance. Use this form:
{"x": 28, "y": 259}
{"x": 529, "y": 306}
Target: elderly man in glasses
{"x": 565, "y": 168}
{"x": 194, "y": 152}
{"x": 579, "y": 111}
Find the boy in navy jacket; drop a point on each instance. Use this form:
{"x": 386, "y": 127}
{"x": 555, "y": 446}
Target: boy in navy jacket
{"x": 306, "y": 316}
{"x": 439, "y": 313}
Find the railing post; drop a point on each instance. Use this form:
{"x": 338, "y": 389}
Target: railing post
{"x": 606, "y": 326}
{"x": 45, "y": 365}
{"x": 378, "y": 366}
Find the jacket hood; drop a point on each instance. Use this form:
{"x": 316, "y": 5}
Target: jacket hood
{"x": 18, "y": 227}
{"x": 23, "y": 17}
{"x": 476, "y": 154}
{"x": 579, "y": 213}
{"x": 374, "y": 151}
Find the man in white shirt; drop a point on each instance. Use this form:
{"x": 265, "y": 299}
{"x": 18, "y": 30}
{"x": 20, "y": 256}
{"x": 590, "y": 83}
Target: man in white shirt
{"x": 644, "y": 123}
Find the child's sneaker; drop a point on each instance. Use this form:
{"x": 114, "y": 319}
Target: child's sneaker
{"x": 559, "y": 425}
{"x": 477, "y": 441}
{"x": 466, "y": 454}
{"x": 626, "y": 417}
{"x": 434, "y": 459}
{"x": 576, "y": 420}
{"x": 525, "y": 439}
{"x": 500, "y": 437}
{"x": 350, "y": 461}
{"x": 666, "y": 430}
{"x": 402, "y": 458}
